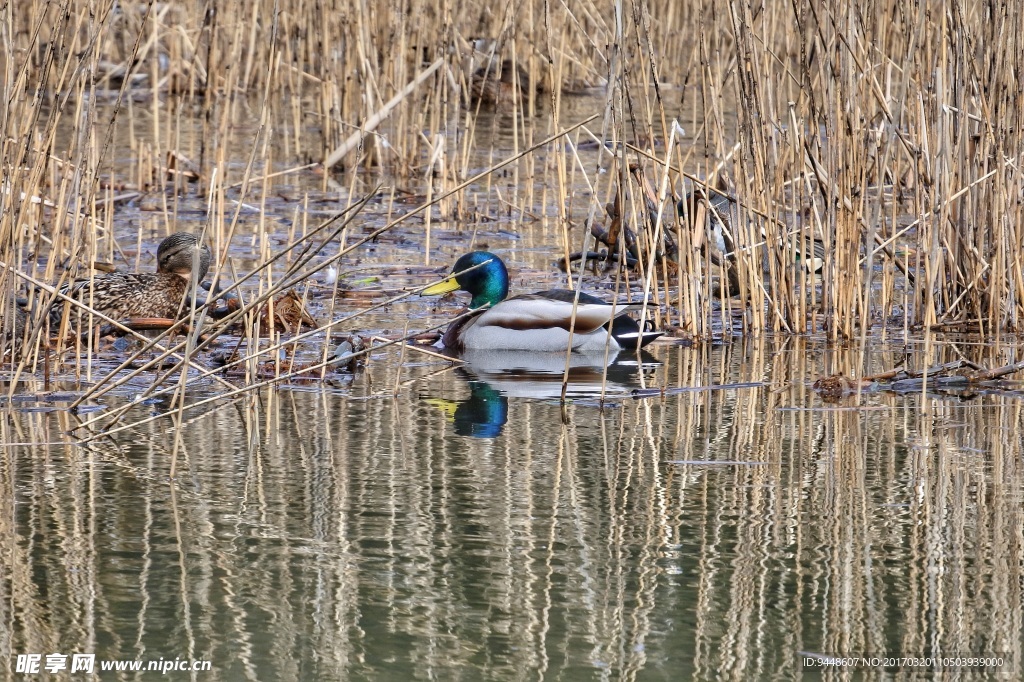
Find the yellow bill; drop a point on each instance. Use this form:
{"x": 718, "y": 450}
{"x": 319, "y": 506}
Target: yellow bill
{"x": 442, "y": 287}
{"x": 446, "y": 406}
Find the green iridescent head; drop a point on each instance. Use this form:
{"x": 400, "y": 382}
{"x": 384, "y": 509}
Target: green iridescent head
{"x": 480, "y": 273}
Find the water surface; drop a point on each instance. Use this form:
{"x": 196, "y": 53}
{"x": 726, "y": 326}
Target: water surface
{"x": 420, "y": 522}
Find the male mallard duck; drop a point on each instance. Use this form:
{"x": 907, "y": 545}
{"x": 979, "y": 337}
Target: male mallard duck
{"x": 163, "y": 294}
{"x": 534, "y": 322}
{"x": 723, "y": 217}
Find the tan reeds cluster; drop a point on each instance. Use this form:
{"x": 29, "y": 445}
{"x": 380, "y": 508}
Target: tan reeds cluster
{"x": 891, "y": 133}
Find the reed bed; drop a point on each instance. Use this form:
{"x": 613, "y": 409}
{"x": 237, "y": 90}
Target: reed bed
{"x": 892, "y": 134}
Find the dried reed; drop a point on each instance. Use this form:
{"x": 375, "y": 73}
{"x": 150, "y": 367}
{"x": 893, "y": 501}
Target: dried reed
{"x": 892, "y": 134}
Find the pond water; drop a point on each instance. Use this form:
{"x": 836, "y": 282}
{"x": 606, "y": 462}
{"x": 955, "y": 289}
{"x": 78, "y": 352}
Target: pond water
{"x": 429, "y": 522}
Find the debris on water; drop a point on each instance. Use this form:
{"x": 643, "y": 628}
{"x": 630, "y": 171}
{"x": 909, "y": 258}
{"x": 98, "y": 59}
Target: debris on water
{"x": 343, "y": 351}
{"x": 953, "y": 376}
{"x": 716, "y": 462}
{"x": 220, "y": 358}
{"x": 179, "y": 165}
{"x": 426, "y": 338}
{"x": 331, "y": 276}
{"x": 345, "y": 354}
{"x": 226, "y": 302}
{"x": 679, "y": 336}
{"x": 833, "y": 387}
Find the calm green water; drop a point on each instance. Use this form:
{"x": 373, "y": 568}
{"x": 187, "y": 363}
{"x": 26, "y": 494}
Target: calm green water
{"x": 422, "y": 522}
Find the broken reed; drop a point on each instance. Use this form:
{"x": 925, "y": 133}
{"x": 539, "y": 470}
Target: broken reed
{"x": 842, "y": 122}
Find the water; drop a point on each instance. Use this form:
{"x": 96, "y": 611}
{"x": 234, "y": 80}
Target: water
{"x": 724, "y": 530}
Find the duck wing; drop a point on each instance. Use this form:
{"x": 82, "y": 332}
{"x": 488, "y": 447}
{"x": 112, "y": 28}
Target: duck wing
{"x": 624, "y": 328}
{"x": 552, "y": 309}
{"x": 122, "y": 295}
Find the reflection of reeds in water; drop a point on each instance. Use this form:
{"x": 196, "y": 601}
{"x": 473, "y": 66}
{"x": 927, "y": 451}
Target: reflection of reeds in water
{"x": 365, "y": 531}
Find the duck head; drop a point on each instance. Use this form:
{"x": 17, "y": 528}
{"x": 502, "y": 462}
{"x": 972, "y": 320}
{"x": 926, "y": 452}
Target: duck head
{"x": 177, "y": 253}
{"x": 481, "y": 273}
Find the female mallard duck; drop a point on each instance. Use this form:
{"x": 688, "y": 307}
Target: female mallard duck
{"x": 534, "y": 322}
{"x": 500, "y": 84}
{"x": 164, "y": 294}
{"x": 12, "y": 325}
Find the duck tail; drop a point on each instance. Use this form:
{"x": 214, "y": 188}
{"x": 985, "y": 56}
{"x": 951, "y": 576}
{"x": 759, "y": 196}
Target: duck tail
{"x": 626, "y": 331}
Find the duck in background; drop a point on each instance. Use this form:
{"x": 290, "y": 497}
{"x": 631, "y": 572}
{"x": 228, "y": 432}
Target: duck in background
{"x": 14, "y": 320}
{"x": 532, "y": 322}
{"x": 722, "y": 217}
{"x": 500, "y": 84}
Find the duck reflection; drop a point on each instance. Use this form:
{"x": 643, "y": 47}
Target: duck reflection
{"x": 482, "y": 415}
{"x": 495, "y": 376}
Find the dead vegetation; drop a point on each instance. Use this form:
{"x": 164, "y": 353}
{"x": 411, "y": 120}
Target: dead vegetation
{"x": 884, "y": 135}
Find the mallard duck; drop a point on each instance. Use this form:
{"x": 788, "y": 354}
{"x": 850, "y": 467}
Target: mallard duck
{"x": 723, "y": 217}
{"x": 18, "y": 319}
{"x": 12, "y": 325}
{"x": 500, "y": 84}
{"x": 162, "y": 294}
{"x": 533, "y": 322}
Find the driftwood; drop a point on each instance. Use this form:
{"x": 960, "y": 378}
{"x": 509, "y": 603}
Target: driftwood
{"x": 666, "y": 245}
{"x": 289, "y": 315}
{"x": 610, "y": 236}
{"x": 666, "y": 249}
{"x": 596, "y": 256}
{"x": 969, "y": 375}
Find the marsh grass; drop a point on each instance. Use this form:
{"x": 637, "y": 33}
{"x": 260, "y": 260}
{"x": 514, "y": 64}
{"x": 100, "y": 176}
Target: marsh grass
{"x": 891, "y": 133}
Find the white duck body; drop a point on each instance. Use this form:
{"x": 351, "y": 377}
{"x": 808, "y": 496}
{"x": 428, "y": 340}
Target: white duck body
{"x": 539, "y": 322}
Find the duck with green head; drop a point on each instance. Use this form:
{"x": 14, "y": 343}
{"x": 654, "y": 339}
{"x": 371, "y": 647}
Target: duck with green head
{"x": 722, "y": 217}
{"x": 533, "y": 322}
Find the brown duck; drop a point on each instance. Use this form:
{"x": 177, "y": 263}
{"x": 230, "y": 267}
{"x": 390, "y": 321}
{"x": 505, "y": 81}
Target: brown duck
{"x": 164, "y": 294}
{"x": 12, "y": 327}
{"x": 501, "y": 86}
